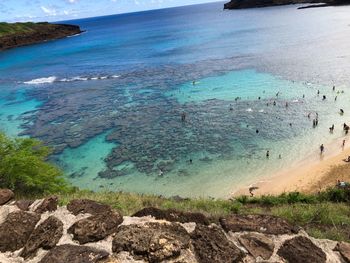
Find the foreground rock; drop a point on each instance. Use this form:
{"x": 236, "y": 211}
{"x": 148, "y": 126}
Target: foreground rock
{"x": 153, "y": 242}
{"x": 74, "y": 254}
{"x": 32, "y": 33}
{"x": 5, "y": 196}
{"x": 211, "y": 245}
{"x": 45, "y": 236}
{"x": 83, "y": 206}
{"x": 258, "y": 245}
{"x": 96, "y": 227}
{"x": 301, "y": 250}
{"x": 24, "y": 204}
{"x": 16, "y": 229}
{"x": 172, "y": 215}
{"x": 344, "y": 250}
{"x": 257, "y": 223}
{"x": 48, "y": 204}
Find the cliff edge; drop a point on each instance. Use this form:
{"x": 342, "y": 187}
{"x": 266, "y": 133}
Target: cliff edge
{"x": 240, "y": 4}
{"x": 21, "y": 34}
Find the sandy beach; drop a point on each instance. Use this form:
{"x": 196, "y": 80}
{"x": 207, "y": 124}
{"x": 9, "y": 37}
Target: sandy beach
{"x": 313, "y": 174}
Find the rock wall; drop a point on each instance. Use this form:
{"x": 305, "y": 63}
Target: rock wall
{"x": 87, "y": 231}
{"x": 43, "y": 32}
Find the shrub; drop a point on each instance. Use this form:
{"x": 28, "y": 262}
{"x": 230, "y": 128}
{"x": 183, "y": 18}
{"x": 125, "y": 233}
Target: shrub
{"x": 25, "y": 170}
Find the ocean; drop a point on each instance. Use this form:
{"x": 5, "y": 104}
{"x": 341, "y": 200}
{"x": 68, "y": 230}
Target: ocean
{"x": 183, "y": 101}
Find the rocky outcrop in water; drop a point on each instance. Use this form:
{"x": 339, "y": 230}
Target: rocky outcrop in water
{"x": 240, "y": 4}
{"x": 90, "y": 232}
{"x": 35, "y": 33}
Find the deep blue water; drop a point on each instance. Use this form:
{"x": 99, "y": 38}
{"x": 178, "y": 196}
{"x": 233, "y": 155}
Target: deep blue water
{"x": 124, "y": 83}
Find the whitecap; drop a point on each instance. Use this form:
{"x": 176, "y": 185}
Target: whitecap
{"x": 41, "y": 81}
{"x": 261, "y": 110}
{"x": 249, "y": 110}
{"x": 295, "y": 100}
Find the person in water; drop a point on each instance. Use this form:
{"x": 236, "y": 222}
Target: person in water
{"x": 183, "y": 116}
{"x": 331, "y": 129}
{"x": 321, "y": 149}
{"x": 324, "y": 97}
{"x": 343, "y": 145}
{"x": 335, "y": 99}
{"x": 333, "y": 87}
{"x": 341, "y": 111}
{"x": 267, "y": 154}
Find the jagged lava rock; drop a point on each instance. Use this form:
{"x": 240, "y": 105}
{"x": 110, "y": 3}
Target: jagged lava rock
{"x": 211, "y": 245}
{"x": 344, "y": 250}
{"x": 301, "y": 250}
{"x": 48, "y": 204}
{"x": 74, "y": 254}
{"x": 24, "y": 204}
{"x": 16, "y": 229}
{"x": 257, "y": 223}
{"x": 45, "y": 236}
{"x": 5, "y": 196}
{"x": 78, "y": 206}
{"x": 172, "y": 215}
{"x": 153, "y": 242}
{"x": 258, "y": 245}
{"x": 95, "y": 228}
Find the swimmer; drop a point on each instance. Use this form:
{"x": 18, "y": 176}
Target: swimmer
{"x": 274, "y": 103}
{"x": 324, "y": 97}
{"x": 333, "y": 88}
{"x": 257, "y": 131}
{"x": 267, "y": 154}
{"x": 341, "y": 111}
{"x": 335, "y": 99}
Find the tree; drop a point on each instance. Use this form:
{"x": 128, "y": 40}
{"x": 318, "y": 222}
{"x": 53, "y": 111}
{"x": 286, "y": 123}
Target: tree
{"x": 24, "y": 167}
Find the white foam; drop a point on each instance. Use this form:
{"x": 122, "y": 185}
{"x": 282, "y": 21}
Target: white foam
{"x": 249, "y": 110}
{"x": 41, "y": 81}
{"x": 52, "y": 79}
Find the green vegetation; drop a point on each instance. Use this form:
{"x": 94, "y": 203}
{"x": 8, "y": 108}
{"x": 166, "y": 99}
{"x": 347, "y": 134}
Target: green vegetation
{"x": 24, "y": 169}
{"x": 14, "y": 28}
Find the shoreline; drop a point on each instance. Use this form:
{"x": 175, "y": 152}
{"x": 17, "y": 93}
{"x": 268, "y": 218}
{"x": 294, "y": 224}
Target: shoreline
{"x": 310, "y": 175}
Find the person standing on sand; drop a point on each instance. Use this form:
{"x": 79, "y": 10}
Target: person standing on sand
{"x": 321, "y": 149}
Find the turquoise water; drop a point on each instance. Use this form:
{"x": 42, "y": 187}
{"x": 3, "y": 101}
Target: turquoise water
{"x": 110, "y": 100}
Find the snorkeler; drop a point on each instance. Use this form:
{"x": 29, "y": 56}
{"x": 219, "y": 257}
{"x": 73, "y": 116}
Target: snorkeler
{"x": 183, "y": 116}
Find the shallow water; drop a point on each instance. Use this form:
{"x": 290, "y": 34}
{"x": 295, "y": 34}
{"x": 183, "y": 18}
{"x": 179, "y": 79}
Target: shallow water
{"x": 110, "y": 100}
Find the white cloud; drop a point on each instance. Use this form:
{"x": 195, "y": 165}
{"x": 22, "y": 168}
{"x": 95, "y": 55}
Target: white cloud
{"x": 48, "y": 11}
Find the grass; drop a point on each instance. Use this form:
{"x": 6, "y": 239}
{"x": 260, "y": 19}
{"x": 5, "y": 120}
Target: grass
{"x": 324, "y": 215}
{"x": 15, "y": 28}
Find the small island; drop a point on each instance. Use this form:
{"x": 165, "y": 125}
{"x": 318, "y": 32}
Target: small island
{"x": 20, "y": 34}
{"x": 240, "y": 4}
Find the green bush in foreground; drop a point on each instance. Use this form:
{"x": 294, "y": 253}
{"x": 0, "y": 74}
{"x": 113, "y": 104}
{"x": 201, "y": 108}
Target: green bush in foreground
{"x": 25, "y": 170}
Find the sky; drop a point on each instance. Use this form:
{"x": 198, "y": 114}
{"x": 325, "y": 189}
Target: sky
{"x": 57, "y": 10}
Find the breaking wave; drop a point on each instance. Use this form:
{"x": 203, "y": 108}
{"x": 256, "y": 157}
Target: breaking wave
{"x": 53, "y": 79}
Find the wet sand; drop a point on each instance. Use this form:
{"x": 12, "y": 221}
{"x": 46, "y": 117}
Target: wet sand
{"x": 313, "y": 174}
